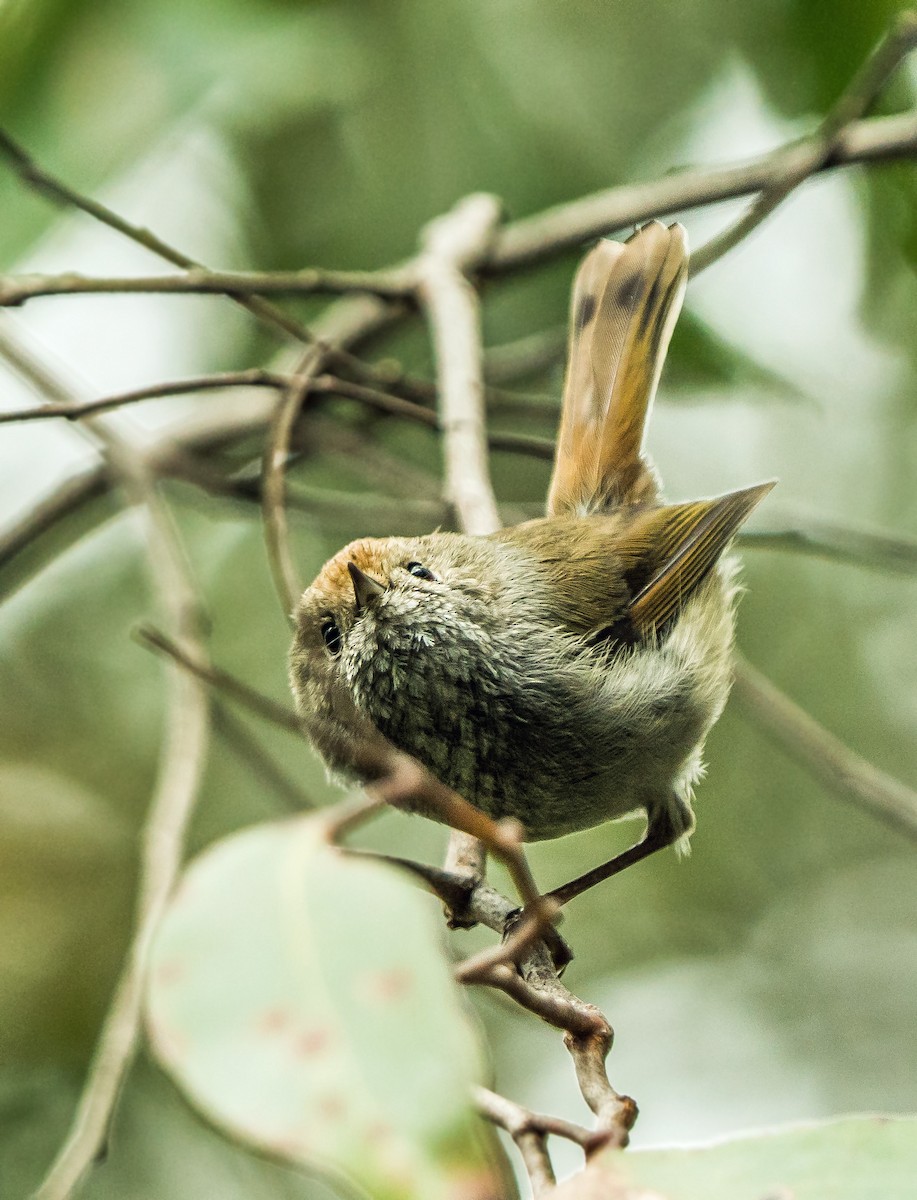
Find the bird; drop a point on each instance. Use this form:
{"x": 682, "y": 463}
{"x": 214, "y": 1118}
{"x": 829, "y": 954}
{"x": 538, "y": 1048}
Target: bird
{"x": 567, "y": 670}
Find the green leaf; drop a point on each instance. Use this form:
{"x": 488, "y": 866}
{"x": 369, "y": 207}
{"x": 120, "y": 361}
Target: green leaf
{"x": 302, "y": 1000}
{"x": 847, "y": 1159}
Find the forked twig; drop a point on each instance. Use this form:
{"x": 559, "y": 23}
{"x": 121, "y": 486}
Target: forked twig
{"x": 54, "y": 189}
{"x": 815, "y": 152}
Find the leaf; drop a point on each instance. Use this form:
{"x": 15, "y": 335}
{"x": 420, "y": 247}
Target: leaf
{"x": 846, "y": 1159}
{"x": 302, "y": 1001}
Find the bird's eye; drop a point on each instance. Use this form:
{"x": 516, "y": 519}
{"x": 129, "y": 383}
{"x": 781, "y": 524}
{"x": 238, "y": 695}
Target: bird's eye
{"x": 332, "y": 636}
{"x": 420, "y": 571}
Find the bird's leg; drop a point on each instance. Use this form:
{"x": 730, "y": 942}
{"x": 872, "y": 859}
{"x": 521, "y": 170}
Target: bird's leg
{"x": 661, "y": 831}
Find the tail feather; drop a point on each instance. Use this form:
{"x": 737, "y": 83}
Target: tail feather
{"x": 626, "y": 299}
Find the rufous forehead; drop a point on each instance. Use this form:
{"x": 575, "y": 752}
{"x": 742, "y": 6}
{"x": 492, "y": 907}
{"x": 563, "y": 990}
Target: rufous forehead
{"x": 369, "y": 554}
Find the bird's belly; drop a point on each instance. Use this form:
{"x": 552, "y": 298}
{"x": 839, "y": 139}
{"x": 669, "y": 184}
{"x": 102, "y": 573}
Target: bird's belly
{"x": 599, "y": 762}
{"x": 632, "y": 768}
{"x": 561, "y": 741}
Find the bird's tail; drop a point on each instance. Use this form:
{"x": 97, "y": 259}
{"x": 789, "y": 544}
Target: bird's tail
{"x": 626, "y": 299}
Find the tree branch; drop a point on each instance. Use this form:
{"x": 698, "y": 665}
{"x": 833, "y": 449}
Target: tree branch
{"x": 75, "y": 410}
{"x": 821, "y": 538}
{"x": 181, "y": 766}
{"x": 838, "y": 767}
{"x": 818, "y": 150}
{"x": 450, "y": 244}
{"x": 287, "y": 581}
{"x": 55, "y": 190}
{"x": 278, "y": 715}
{"x": 393, "y": 284}
{"x": 524, "y": 1128}
{"x": 549, "y": 233}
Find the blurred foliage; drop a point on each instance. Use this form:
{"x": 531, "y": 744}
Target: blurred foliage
{"x": 771, "y": 977}
{"x": 868, "y": 1156}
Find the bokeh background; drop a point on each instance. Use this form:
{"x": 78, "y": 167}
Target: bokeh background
{"x": 771, "y": 977}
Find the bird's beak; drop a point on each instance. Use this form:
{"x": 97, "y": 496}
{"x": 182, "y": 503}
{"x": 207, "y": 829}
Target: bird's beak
{"x": 365, "y": 589}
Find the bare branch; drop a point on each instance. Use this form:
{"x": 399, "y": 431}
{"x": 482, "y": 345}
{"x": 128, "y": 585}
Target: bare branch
{"x": 822, "y": 754}
{"x": 450, "y": 244}
{"x": 528, "y": 355}
{"x": 75, "y": 409}
{"x": 181, "y": 766}
{"x": 287, "y": 582}
{"x": 392, "y": 284}
{"x": 543, "y": 236}
{"x": 58, "y": 192}
{"x": 523, "y": 1128}
{"x": 534, "y": 986}
{"x": 344, "y": 324}
{"x": 615, "y": 1114}
{"x": 512, "y": 1117}
{"x": 821, "y": 147}
{"x": 385, "y": 402}
{"x": 530, "y": 929}
{"x": 240, "y": 742}
{"x": 221, "y": 681}
{"x": 841, "y": 543}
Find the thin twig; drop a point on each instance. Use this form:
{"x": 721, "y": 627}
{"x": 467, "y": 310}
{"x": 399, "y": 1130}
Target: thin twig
{"x": 509, "y": 1116}
{"x": 528, "y": 355}
{"x": 530, "y": 929}
{"x": 615, "y": 1114}
{"x": 819, "y": 149}
{"x": 287, "y": 582}
{"x": 54, "y": 189}
{"x": 18, "y": 290}
{"x": 820, "y": 538}
{"x": 396, "y": 406}
{"x": 402, "y": 781}
{"x": 826, "y": 757}
{"x": 221, "y": 681}
{"x": 76, "y": 409}
{"x": 530, "y": 1138}
{"x": 241, "y": 742}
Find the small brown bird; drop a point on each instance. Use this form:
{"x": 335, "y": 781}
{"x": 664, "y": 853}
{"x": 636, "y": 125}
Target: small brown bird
{"x": 565, "y": 671}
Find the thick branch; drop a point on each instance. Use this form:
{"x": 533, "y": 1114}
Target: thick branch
{"x": 535, "y": 239}
{"x": 450, "y": 244}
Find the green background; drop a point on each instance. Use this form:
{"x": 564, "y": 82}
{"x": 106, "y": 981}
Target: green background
{"x": 772, "y": 976}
